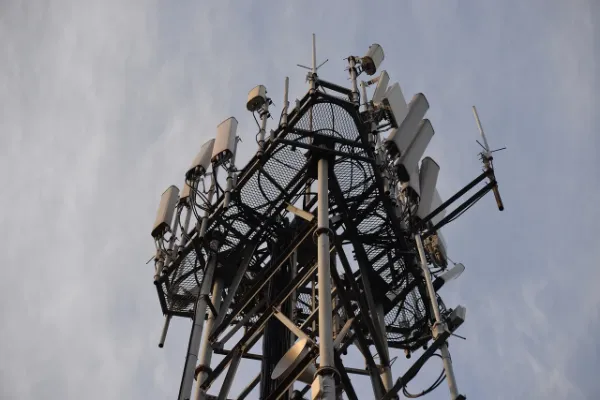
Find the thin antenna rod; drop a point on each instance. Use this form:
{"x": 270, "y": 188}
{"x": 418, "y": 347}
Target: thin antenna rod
{"x": 314, "y": 53}
{"x": 487, "y": 158}
{"x": 286, "y": 103}
{"x": 485, "y": 143}
{"x": 312, "y": 76}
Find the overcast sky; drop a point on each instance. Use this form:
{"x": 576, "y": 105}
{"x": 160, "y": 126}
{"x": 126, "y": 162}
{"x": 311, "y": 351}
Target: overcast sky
{"x": 103, "y": 104}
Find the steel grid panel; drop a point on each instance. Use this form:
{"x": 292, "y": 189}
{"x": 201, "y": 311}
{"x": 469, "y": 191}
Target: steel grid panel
{"x": 283, "y": 163}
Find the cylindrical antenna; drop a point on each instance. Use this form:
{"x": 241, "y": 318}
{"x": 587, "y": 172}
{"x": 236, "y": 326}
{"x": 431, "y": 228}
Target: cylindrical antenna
{"x": 286, "y": 103}
{"x": 486, "y": 161}
{"x": 312, "y": 89}
{"x": 485, "y": 143}
{"x": 312, "y": 76}
{"x": 314, "y": 53}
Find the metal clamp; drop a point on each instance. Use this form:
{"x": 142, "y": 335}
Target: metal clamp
{"x": 327, "y": 371}
{"x": 201, "y": 368}
{"x": 321, "y": 230}
{"x": 438, "y": 328}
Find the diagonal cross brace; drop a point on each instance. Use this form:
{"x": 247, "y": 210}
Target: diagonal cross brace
{"x": 363, "y": 265}
{"x": 252, "y": 334}
{"x": 247, "y": 254}
{"x": 260, "y": 281}
{"x": 362, "y": 341}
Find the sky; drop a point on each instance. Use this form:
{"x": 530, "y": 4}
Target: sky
{"x": 105, "y": 103}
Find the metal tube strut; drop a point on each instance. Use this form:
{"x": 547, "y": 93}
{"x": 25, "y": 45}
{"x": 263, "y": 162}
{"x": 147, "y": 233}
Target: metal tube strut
{"x": 187, "y": 379}
{"x": 206, "y": 349}
{"x": 327, "y": 369}
{"x": 247, "y": 254}
{"x": 249, "y": 388}
{"x": 439, "y": 326}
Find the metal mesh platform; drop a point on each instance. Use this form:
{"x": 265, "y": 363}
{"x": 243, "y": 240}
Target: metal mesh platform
{"x": 258, "y": 210}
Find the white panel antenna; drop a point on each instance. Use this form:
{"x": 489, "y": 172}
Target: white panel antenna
{"x": 448, "y": 275}
{"x": 394, "y": 100}
{"x": 256, "y": 98}
{"x": 382, "y": 85}
{"x": 453, "y": 272}
{"x": 458, "y": 316}
{"x": 185, "y": 192}
{"x": 437, "y": 244}
{"x": 409, "y": 160}
{"x": 413, "y": 183}
{"x": 225, "y": 141}
{"x": 201, "y": 161}
{"x": 166, "y": 210}
{"x": 373, "y": 59}
{"x": 407, "y": 129}
{"x": 428, "y": 175}
{"x": 435, "y": 203}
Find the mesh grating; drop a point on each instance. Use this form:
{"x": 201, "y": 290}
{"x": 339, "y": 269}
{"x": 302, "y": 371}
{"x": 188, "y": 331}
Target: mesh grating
{"x": 257, "y": 211}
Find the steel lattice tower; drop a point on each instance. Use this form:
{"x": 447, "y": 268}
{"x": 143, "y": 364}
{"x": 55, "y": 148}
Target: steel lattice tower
{"x": 329, "y": 237}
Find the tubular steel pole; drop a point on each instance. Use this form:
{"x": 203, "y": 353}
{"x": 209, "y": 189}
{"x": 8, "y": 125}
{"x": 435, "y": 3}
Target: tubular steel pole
{"x": 293, "y": 300}
{"x": 206, "y": 350}
{"x": 187, "y": 380}
{"x": 386, "y": 373}
{"x": 449, "y": 371}
{"x": 439, "y": 324}
{"x": 163, "y": 335}
{"x": 324, "y": 276}
{"x": 428, "y": 282}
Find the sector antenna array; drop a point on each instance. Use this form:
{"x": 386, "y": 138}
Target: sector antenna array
{"x": 327, "y": 238}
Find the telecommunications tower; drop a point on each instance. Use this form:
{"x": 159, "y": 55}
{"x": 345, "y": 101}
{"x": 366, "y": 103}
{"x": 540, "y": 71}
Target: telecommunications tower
{"x": 327, "y": 239}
